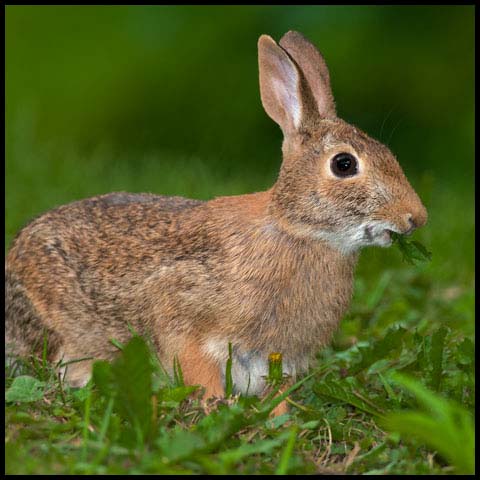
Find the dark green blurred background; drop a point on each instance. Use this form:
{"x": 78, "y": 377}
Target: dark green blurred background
{"x": 165, "y": 99}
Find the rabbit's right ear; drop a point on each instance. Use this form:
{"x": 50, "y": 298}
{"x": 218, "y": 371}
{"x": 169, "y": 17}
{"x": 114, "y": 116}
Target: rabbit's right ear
{"x": 314, "y": 68}
{"x": 280, "y": 85}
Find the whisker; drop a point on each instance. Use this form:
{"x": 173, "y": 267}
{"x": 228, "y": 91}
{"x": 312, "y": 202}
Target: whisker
{"x": 385, "y": 120}
{"x": 394, "y": 128}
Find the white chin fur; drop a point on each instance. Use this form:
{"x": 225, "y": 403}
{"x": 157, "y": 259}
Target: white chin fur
{"x": 352, "y": 238}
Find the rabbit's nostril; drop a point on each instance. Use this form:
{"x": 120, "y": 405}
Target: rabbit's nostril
{"x": 412, "y": 224}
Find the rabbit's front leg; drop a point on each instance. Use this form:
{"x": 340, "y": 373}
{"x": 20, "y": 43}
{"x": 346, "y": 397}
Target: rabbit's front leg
{"x": 249, "y": 371}
{"x": 199, "y": 369}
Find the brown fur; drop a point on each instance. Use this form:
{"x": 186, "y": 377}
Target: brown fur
{"x": 198, "y": 369}
{"x": 261, "y": 270}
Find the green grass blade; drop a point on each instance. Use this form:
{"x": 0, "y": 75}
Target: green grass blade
{"x": 228, "y": 373}
{"x": 86, "y": 424}
{"x": 287, "y": 453}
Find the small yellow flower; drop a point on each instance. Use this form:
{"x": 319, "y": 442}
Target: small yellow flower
{"x": 275, "y": 369}
{"x": 275, "y": 357}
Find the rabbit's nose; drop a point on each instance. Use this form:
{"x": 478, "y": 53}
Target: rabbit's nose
{"x": 411, "y": 224}
{"x": 416, "y": 219}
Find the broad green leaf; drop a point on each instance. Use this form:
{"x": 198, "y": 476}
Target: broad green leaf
{"x": 132, "y": 373}
{"x": 441, "y": 424}
{"x": 466, "y": 352}
{"x": 103, "y": 377}
{"x": 277, "y": 422}
{"x": 221, "y": 424}
{"x": 129, "y": 380}
{"x": 379, "y": 366}
{"x": 25, "y": 389}
{"x": 81, "y": 394}
{"x": 338, "y": 391}
{"x": 176, "y": 394}
{"x": 180, "y": 444}
{"x": 381, "y": 349}
{"x": 260, "y": 446}
{"x": 311, "y": 425}
{"x": 445, "y": 437}
{"x": 390, "y": 392}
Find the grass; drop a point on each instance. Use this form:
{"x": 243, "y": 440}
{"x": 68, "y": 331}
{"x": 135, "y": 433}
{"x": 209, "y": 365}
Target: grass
{"x": 394, "y": 393}
{"x": 344, "y": 418}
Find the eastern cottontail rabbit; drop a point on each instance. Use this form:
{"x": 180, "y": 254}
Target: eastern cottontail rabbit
{"x": 268, "y": 272}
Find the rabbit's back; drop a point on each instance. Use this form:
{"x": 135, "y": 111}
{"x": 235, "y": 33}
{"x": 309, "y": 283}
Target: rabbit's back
{"x": 115, "y": 239}
{"x": 106, "y": 228}
{"x": 87, "y": 269}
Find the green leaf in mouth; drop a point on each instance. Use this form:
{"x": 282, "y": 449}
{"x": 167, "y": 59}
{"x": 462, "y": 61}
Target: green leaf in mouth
{"x": 412, "y": 251}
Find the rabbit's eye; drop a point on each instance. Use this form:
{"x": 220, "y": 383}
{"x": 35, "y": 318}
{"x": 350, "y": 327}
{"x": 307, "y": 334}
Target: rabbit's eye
{"x": 344, "y": 165}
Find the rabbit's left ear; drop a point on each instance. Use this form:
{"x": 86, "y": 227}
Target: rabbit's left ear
{"x": 281, "y": 89}
{"x": 314, "y": 68}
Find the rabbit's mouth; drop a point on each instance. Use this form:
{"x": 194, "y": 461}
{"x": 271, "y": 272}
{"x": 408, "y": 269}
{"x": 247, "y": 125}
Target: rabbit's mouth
{"x": 376, "y": 236}
{"x": 388, "y": 233}
{"x": 385, "y": 238}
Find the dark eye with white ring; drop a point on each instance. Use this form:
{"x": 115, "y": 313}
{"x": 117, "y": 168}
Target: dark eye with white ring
{"x": 344, "y": 165}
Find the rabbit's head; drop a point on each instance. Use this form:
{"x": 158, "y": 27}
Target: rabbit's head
{"x": 336, "y": 183}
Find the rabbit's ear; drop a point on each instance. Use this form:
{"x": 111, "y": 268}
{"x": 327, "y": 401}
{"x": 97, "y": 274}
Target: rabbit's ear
{"x": 280, "y": 85}
{"x": 314, "y": 69}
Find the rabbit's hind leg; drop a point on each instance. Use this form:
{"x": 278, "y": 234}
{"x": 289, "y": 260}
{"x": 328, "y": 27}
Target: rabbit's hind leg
{"x": 64, "y": 317}
{"x": 75, "y": 371}
{"x": 26, "y": 333}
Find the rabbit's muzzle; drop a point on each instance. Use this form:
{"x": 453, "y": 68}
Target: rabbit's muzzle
{"x": 415, "y": 217}
{"x": 380, "y": 232}
{"x": 401, "y": 217}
